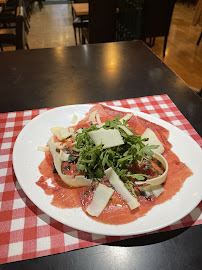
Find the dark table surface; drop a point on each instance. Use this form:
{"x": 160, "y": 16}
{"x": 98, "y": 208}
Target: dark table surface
{"x": 53, "y": 77}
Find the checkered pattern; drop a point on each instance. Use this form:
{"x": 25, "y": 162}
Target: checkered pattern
{"x": 26, "y": 232}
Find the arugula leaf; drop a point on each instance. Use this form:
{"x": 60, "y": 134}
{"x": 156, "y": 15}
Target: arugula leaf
{"x": 138, "y": 176}
{"x": 129, "y": 186}
{"x": 72, "y": 157}
{"x": 92, "y": 160}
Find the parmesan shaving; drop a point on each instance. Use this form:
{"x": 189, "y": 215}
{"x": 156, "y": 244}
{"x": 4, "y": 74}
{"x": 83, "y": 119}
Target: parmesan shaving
{"x": 107, "y": 137}
{"x": 100, "y": 125}
{"x": 100, "y": 200}
{"x": 161, "y": 178}
{"x": 43, "y": 148}
{"x": 98, "y": 118}
{"x": 127, "y": 131}
{"x": 64, "y": 156}
{"x": 56, "y": 131}
{"x": 92, "y": 117}
{"x": 155, "y": 190}
{"x": 78, "y": 181}
{"x": 65, "y": 133}
{"x": 126, "y": 117}
{"x": 61, "y": 133}
{"x": 74, "y": 119}
{"x": 59, "y": 145}
{"x": 79, "y": 130}
{"x": 153, "y": 140}
{"x": 121, "y": 189}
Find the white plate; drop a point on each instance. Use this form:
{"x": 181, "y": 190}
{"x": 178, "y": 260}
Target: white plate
{"x": 26, "y": 159}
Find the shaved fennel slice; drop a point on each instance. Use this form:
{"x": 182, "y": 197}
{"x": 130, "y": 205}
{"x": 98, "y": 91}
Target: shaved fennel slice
{"x": 78, "y": 181}
{"x": 118, "y": 184}
{"x": 100, "y": 200}
{"x": 161, "y": 178}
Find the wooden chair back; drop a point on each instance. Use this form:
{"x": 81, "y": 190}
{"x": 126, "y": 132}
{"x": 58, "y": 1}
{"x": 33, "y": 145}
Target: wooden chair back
{"x": 157, "y": 16}
{"x": 21, "y": 36}
{"x": 102, "y": 14}
{"x": 16, "y": 35}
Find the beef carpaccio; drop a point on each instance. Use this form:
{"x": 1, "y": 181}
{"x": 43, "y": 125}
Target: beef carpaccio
{"x": 117, "y": 210}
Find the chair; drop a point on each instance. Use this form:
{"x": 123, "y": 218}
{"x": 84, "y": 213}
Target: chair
{"x": 200, "y": 93}
{"x": 142, "y": 19}
{"x": 101, "y": 27}
{"x": 157, "y": 16}
{"x": 197, "y": 18}
{"x": 129, "y": 20}
{"x": 9, "y": 11}
{"x": 15, "y": 36}
{"x": 199, "y": 39}
{"x": 78, "y": 22}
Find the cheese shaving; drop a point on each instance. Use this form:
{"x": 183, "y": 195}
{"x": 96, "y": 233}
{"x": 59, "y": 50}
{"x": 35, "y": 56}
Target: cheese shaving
{"x": 61, "y": 133}
{"x": 118, "y": 184}
{"x": 155, "y": 190}
{"x": 79, "y": 130}
{"x": 100, "y": 200}
{"x": 100, "y": 125}
{"x": 56, "y": 131}
{"x": 71, "y": 130}
{"x": 92, "y": 117}
{"x": 127, "y": 131}
{"x": 153, "y": 140}
{"x": 64, "y": 156}
{"x": 43, "y": 148}
{"x": 59, "y": 145}
{"x": 98, "y": 118}
{"x": 74, "y": 119}
{"x": 107, "y": 137}
{"x": 78, "y": 181}
{"x": 161, "y": 178}
{"x": 126, "y": 117}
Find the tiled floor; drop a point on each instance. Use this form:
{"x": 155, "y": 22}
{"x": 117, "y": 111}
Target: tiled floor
{"x": 52, "y": 27}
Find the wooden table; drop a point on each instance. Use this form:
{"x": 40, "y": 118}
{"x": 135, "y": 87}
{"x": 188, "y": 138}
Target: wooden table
{"x": 3, "y": 2}
{"x": 47, "y": 78}
{"x": 80, "y": 9}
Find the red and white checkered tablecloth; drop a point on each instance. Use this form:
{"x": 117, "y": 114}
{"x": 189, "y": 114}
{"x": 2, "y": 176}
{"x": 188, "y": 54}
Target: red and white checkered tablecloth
{"x": 25, "y": 231}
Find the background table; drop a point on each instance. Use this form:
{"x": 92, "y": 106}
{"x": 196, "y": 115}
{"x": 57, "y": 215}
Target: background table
{"x": 81, "y": 9}
{"x": 53, "y": 77}
{"x": 2, "y": 2}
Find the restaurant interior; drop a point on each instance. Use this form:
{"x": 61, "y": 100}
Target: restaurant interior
{"x": 100, "y": 134}
{"x": 172, "y": 29}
